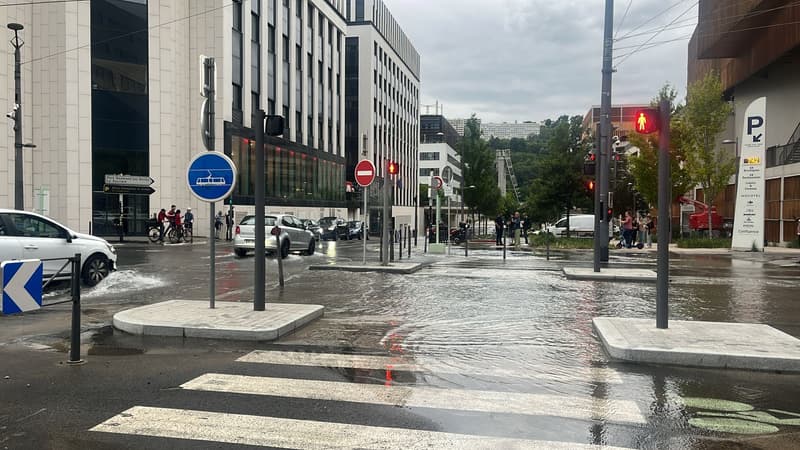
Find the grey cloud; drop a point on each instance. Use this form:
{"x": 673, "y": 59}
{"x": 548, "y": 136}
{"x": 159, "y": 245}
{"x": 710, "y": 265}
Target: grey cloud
{"x": 534, "y": 59}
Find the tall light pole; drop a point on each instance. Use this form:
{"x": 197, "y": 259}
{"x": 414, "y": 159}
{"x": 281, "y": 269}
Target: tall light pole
{"x": 17, "y": 43}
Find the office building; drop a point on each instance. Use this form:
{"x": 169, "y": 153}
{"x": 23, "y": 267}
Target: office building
{"x": 113, "y": 87}
{"x": 755, "y": 48}
{"x": 382, "y": 90}
{"x": 507, "y": 130}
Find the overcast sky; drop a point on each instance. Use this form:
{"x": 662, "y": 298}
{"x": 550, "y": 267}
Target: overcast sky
{"x": 508, "y": 60}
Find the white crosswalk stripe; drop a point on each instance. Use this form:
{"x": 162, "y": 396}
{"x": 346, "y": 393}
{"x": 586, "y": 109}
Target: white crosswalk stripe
{"x": 597, "y": 374}
{"x": 231, "y": 428}
{"x": 586, "y": 408}
{"x": 305, "y": 434}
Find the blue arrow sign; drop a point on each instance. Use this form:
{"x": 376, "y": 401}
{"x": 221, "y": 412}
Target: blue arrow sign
{"x": 211, "y": 176}
{"x": 21, "y": 286}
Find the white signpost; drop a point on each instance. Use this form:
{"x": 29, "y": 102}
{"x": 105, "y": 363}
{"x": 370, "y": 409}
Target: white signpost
{"x": 365, "y": 175}
{"x": 748, "y": 225}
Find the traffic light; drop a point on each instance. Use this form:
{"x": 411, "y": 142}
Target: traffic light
{"x": 646, "y": 121}
{"x": 609, "y": 214}
{"x": 394, "y": 168}
{"x": 589, "y": 164}
{"x": 590, "y": 186}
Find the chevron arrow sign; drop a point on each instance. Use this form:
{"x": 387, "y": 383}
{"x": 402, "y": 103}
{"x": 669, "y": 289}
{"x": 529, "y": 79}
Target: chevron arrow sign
{"x": 21, "y": 286}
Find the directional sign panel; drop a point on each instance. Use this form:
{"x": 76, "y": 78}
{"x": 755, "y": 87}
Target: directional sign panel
{"x": 128, "y": 180}
{"x": 21, "y": 286}
{"x": 130, "y": 190}
{"x": 211, "y": 176}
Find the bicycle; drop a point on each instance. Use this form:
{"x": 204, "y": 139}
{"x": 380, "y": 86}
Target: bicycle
{"x": 153, "y": 232}
{"x": 179, "y": 233}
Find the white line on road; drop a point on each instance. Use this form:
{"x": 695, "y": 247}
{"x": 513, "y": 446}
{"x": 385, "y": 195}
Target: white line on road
{"x": 594, "y": 374}
{"x": 583, "y": 408}
{"x": 305, "y": 434}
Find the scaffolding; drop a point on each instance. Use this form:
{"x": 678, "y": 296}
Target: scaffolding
{"x": 506, "y": 169}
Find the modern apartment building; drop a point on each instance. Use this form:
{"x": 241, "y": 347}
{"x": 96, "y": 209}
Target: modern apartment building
{"x": 438, "y": 156}
{"x": 507, "y": 130}
{"x": 622, "y": 118}
{"x": 113, "y": 87}
{"x": 755, "y": 48}
{"x": 382, "y": 90}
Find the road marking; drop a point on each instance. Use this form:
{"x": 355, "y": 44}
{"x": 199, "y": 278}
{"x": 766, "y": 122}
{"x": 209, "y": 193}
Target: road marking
{"x": 306, "y": 434}
{"x": 597, "y": 374}
{"x": 583, "y": 408}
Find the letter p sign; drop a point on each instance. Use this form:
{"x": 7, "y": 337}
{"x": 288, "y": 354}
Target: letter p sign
{"x": 754, "y": 122}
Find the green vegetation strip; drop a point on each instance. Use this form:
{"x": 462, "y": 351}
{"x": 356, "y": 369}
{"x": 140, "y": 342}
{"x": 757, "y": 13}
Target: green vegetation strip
{"x": 704, "y": 243}
{"x": 540, "y": 241}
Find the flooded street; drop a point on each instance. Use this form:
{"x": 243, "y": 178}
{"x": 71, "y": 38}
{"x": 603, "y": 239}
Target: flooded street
{"x": 484, "y": 327}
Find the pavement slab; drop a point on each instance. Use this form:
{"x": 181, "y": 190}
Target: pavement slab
{"x": 394, "y": 267}
{"x": 588, "y": 273}
{"x": 228, "y": 320}
{"x": 720, "y": 345}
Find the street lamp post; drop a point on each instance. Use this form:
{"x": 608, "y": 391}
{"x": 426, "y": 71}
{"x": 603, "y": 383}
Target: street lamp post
{"x": 17, "y": 43}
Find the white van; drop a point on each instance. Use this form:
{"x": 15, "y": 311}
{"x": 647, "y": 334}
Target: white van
{"x": 581, "y": 225}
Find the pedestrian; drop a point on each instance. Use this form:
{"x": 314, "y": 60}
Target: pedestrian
{"x": 798, "y": 232}
{"x": 498, "y": 229}
{"x": 178, "y": 224}
{"x": 162, "y": 216}
{"x": 229, "y": 224}
{"x": 526, "y": 227}
{"x": 171, "y": 215}
{"x": 649, "y": 229}
{"x": 516, "y": 225}
{"x": 627, "y": 229}
{"x": 188, "y": 219}
{"x": 218, "y": 221}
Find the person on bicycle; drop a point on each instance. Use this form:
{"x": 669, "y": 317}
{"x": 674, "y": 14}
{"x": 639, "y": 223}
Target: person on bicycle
{"x": 162, "y": 216}
{"x": 188, "y": 219}
{"x": 178, "y": 224}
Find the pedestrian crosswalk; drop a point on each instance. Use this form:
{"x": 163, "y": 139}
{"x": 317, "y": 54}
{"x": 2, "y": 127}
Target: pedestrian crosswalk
{"x": 282, "y": 432}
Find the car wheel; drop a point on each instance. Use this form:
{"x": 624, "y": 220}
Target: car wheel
{"x": 240, "y": 252}
{"x": 285, "y": 249}
{"x": 312, "y": 246}
{"x": 96, "y": 268}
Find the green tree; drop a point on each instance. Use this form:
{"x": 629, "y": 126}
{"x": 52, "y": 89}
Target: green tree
{"x": 704, "y": 117}
{"x": 479, "y": 171}
{"x": 644, "y": 167}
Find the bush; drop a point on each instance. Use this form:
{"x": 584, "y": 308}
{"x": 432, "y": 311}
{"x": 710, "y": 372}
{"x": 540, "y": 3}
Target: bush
{"x": 704, "y": 243}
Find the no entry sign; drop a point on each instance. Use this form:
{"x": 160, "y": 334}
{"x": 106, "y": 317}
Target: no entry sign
{"x": 365, "y": 172}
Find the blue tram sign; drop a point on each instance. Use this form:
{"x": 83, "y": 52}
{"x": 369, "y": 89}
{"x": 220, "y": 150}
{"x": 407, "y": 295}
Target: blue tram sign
{"x": 211, "y": 176}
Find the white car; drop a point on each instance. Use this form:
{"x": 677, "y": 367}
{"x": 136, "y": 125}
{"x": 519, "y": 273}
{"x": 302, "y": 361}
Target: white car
{"x": 294, "y": 236}
{"x": 580, "y": 225}
{"x": 26, "y": 235}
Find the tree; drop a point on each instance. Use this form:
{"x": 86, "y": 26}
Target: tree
{"x": 644, "y": 167}
{"x": 478, "y": 171}
{"x": 704, "y": 117}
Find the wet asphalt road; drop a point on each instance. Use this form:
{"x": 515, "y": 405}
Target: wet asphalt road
{"x": 515, "y": 329}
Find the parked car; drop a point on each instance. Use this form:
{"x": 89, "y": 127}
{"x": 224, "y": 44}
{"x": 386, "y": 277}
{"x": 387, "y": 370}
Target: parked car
{"x": 27, "y": 235}
{"x": 581, "y": 225}
{"x": 312, "y": 226}
{"x": 293, "y": 237}
{"x": 332, "y": 228}
{"x": 355, "y": 229}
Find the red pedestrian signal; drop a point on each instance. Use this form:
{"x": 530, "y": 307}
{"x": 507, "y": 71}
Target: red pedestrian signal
{"x": 590, "y": 185}
{"x": 394, "y": 168}
{"x": 646, "y": 121}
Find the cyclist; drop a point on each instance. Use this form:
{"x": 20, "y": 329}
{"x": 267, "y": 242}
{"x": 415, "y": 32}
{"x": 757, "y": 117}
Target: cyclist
{"x": 162, "y": 216}
{"x": 178, "y": 224}
{"x": 188, "y": 219}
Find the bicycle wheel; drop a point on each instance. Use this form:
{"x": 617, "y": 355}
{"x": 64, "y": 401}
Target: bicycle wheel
{"x": 172, "y": 235}
{"x": 187, "y": 235}
{"x": 153, "y": 234}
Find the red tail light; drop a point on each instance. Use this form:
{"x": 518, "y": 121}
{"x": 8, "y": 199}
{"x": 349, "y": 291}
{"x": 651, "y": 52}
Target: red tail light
{"x": 237, "y": 229}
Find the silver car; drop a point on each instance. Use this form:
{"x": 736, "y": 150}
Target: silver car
{"x": 293, "y": 236}
{"x": 26, "y": 235}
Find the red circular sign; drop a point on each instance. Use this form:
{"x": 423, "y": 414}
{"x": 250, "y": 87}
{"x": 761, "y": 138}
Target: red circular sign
{"x": 365, "y": 172}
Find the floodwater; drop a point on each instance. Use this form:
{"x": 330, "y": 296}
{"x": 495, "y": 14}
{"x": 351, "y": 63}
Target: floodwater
{"x": 518, "y": 325}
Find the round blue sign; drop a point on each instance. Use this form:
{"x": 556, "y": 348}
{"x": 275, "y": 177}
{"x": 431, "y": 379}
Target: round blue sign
{"x": 211, "y": 176}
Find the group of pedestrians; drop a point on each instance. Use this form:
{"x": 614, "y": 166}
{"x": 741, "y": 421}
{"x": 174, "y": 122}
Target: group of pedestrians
{"x": 636, "y": 231}
{"x": 227, "y": 220}
{"x": 174, "y": 220}
{"x": 517, "y": 227}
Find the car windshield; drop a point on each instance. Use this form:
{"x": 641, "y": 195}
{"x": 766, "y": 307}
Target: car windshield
{"x": 251, "y": 220}
{"x": 355, "y": 224}
{"x": 326, "y": 222}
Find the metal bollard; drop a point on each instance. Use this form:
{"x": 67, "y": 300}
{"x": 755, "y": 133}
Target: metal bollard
{"x": 280, "y": 260}
{"x": 504, "y": 243}
{"x": 391, "y": 245}
{"x": 75, "y": 332}
{"x": 400, "y": 242}
{"x": 408, "y": 233}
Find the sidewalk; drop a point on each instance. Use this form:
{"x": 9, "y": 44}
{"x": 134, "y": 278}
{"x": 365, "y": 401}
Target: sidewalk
{"x": 718, "y": 345}
{"x": 228, "y": 320}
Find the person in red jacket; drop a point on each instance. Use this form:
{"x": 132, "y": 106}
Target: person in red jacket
{"x": 162, "y": 216}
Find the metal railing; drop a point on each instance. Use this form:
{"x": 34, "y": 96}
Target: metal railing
{"x": 780, "y": 155}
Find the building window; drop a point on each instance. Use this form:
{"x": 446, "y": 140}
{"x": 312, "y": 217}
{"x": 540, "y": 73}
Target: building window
{"x": 255, "y": 55}
{"x": 429, "y": 156}
{"x": 236, "y": 54}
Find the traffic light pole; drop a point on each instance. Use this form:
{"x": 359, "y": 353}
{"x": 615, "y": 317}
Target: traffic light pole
{"x": 260, "y": 263}
{"x": 664, "y": 222}
{"x": 604, "y": 161}
{"x": 19, "y": 199}
{"x": 387, "y": 208}
{"x": 599, "y": 212}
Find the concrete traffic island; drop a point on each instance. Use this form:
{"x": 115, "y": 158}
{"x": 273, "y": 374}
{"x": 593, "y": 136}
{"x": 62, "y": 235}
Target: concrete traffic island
{"x": 588, "y": 273}
{"x": 719, "y": 345}
{"x": 393, "y": 267}
{"x": 228, "y": 320}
